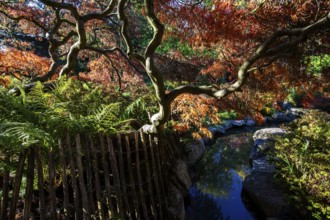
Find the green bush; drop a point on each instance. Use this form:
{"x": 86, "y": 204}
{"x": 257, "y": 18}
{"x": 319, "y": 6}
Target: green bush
{"x": 302, "y": 158}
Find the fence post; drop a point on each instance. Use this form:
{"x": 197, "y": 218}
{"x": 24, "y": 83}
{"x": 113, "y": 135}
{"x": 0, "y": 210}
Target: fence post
{"x": 42, "y": 205}
{"x": 97, "y": 181}
{"x": 131, "y": 177}
{"x": 155, "y": 173}
{"x": 51, "y": 173}
{"x": 5, "y": 189}
{"x": 65, "y": 180}
{"x": 112, "y": 212}
{"x": 160, "y": 158}
{"x": 86, "y": 211}
{"x": 122, "y": 175}
{"x": 149, "y": 180}
{"x": 138, "y": 170}
{"x": 29, "y": 185}
{"x": 73, "y": 179}
{"x": 17, "y": 184}
{"x": 89, "y": 176}
{"x": 116, "y": 178}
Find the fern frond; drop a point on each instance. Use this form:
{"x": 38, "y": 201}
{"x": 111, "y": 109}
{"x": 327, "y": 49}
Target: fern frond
{"x": 25, "y": 134}
{"x": 136, "y": 106}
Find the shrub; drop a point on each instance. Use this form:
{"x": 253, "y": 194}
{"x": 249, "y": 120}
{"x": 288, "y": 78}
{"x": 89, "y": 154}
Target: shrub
{"x": 303, "y": 161}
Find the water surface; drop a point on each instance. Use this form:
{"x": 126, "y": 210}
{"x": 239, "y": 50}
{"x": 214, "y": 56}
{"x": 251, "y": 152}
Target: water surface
{"x": 216, "y": 190}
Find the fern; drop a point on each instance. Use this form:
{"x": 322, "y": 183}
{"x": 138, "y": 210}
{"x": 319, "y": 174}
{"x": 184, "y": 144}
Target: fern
{"x": 25, "y": 134}
{"x": 107, "y": 117}
{"x": 136, "y": 107}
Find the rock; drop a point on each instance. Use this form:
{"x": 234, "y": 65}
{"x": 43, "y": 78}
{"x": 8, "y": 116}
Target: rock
{"x": 175, "y": 203}
{"x": 221, "y": 129}
{"x": 250, "y": 122}
{"x": 238, "y": 123}
{"x": 297, "y": 112}
{"x": 287, "y": 105}
{"x": 207, "y": 140}
{"x": 213, "y": 130}
{"x": 322, "y": 103}
{"x": 268, "y": 196}
{"x": 227, "y": 124}
{"x": 280, "y": 117}
{"x": 260, "y": 148}
{"x": 181, "y": 173}
{"x": 264, "y": 141}
{"x": 262, "y": 164}
{"x": 194, "y": 152}
{"x": 217, "y": 129}
{"x": 268, "y": 133}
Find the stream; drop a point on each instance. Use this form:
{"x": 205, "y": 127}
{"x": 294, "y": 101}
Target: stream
{"x": 216, "y": 192}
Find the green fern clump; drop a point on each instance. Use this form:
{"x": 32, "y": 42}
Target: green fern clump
{"x": 43, "y": 115}
{"x": 19, "y": 127}
{"x": 303, "y": 161}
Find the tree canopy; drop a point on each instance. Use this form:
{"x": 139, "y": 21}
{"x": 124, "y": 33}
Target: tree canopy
{"x": 260, "y": 50}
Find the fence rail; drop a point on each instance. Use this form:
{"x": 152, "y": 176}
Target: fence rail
{"x": 90, "y": 177}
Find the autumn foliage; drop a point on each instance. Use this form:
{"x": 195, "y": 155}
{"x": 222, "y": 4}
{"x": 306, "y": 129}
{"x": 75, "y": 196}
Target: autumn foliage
{"x": 203, "y": 43}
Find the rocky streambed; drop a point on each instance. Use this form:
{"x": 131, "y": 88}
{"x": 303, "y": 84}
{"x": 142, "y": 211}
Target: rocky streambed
{"x": 267, "y": 195}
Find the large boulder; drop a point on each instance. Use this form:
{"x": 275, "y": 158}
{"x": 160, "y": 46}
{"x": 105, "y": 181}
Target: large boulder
{"x": 264, "y": 140}
{"x": 261, "y": 186}
{"x": 175, "y": 200}
{"x": 249, "y": 122}
{"x": 182, "y": 176}
{"x": 180, "y": 183}
{"x": 260, "y": 147}
{"x": 194, "y": 152}
{"x": 265, "y": 193}
{"x": 238, "y": 123}
{"x": 268, "y": 133}
{"x": 287, "y": 105}
{"x": 280, "y": 117}
{"x": 217, "y": 129}
{"x": 262, "y": 165}
{"x": 227, "y": 124}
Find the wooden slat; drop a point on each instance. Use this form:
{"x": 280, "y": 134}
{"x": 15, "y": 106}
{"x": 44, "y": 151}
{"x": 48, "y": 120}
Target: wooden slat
{"x": 156, "y": 172}
{"x": 42, "y": 200}
{"x": 89, "y": 187}
{"x": 116, "y": 178}
{"x": 85, "y": 203}
{"x": 159, "y": 160}
{"x": 17, "y": 184}
{"x": 51, "y": 180}
{"x": 170, "y": 154}
{"x": 77, "y": 210}
{"x": 29, "y": 185}
{"x": 5, "y": 189}
{"x": 149, "y": 179}
{"x": 131, "y": 177}
{"x": 122, "y": 177}
{"x": 96, "y": 172}
{"x": 65, "y": 180}
{"x": 112, "y": 211}
{"x": 140, "y": 182}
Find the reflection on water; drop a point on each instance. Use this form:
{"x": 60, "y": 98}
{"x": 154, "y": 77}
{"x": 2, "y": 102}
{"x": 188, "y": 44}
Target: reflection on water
{"x": 216, "y": 192}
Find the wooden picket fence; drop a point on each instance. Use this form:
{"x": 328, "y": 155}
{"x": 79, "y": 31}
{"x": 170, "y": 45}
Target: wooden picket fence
{"x": 91, "y": 177}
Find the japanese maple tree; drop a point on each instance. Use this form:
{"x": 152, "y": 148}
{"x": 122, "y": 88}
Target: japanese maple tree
{"x": 261, "y": 44}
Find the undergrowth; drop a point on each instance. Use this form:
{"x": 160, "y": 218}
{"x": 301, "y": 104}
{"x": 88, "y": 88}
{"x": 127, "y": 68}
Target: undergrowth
{"x": 302, "y": 158}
